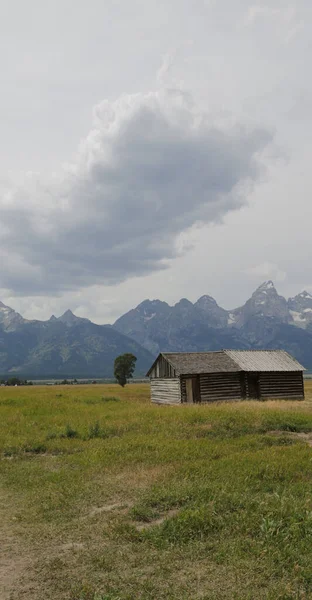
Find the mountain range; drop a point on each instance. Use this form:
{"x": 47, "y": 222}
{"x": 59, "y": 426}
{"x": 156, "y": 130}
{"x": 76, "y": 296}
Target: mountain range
{"x": 71, "y": 346}
{"x": 67, "y": 346}
{"x": 266, "y": 320}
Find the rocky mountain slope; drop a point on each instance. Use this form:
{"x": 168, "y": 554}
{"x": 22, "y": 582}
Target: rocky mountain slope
{"x": 67, "y": 346}
{"x": 266, "y": 320}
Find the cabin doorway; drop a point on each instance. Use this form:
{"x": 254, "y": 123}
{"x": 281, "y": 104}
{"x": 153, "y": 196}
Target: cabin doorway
{"x": 253, "y": 385}
{"x": 192, "y": 390}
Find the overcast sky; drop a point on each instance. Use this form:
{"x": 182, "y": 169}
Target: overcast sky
{"x": 153, "y": 149}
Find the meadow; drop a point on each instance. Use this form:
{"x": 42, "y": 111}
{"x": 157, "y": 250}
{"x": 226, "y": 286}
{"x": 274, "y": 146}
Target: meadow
{"x": 106, "y": 497}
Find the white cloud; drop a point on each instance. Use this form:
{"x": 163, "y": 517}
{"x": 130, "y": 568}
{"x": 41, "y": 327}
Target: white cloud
{"x": 98, "y": 50}
{"x": 152, "y": 166}
{"x": 165, "y": 70}
{"x": 255, "y": 12}
{"x": 266, "y": 270}
{"x": 287, "y": 22}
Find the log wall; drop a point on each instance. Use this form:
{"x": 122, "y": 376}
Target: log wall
{"x": 166, "y": 391}
{"x": 281, "y": 385}
{"x": 220, "y": 386}
{"x": 228, "y": 386}
{"x": 217, "y": 386}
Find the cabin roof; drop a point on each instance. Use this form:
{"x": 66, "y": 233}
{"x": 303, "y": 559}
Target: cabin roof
{"x": 229, "y": 361}
{"x": 193, "y": 363}
{"x": 264, "y": 360}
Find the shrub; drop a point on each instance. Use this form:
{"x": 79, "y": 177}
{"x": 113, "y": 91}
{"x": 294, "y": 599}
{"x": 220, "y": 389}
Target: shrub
{"x": 51, "y": 436}
{"x": 95, "y": 430}
{"x": 35, "y": 449}
{"x": 10, "y": 452}
{"x": 70, "y": 432}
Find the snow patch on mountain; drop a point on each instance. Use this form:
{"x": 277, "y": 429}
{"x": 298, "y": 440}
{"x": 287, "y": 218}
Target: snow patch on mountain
{"x": 149, "y": 317}
{"x": 266, "y": 285}
{"x": 297, "y": 316}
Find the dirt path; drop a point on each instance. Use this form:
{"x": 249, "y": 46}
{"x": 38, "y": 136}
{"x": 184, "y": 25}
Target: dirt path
{"x": 298, "y": 435}
{"x": 15, "y": 559}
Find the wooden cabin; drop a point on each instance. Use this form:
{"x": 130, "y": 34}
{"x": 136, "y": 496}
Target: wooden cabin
{"x": 199, "y": 377}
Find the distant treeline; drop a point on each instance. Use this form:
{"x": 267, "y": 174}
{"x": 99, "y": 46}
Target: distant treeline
{"x": 15, "y": 381}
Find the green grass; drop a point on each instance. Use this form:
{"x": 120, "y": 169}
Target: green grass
{"x": 110, "y": 498}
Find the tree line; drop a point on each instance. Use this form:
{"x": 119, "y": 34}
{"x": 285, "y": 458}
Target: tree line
{"x": 124, "y": 367}
{"x": 15, "y": 381}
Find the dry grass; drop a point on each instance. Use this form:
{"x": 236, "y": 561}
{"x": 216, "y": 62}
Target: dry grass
{"x": 105, "y": 499}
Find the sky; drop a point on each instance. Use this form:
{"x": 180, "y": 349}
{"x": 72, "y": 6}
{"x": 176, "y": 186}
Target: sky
{"x": 153, "y": 149}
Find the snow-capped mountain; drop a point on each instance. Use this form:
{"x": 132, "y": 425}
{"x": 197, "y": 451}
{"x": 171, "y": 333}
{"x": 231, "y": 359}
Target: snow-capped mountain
{"x": 300, "y": 309}
{"x": 71, "y": 346}
{"x": 266, "y": 320}
{"x": 9, "y": 319}
{"x": 264, "y": 302}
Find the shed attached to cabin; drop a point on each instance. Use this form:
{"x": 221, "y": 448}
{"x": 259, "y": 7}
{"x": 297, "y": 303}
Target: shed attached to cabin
{"x": 199, "y": 377}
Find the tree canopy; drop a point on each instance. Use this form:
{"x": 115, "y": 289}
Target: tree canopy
{"x": 124, "y": 368}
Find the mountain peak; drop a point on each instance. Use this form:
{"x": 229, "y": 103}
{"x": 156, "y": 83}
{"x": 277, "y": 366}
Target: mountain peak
{"x": 68, "y": 317}
{"x": 300, "y": 308}
{"x": 184, "y": 302}
{"x": 150, "y": 308}
{"x": 9, "y": 318}
{"x": 265, "y": 286}
{"x": 206, "y": 301}
{"x": 302, "y": 297}
{"x": 4, "y": 307}
{"x": 265, "y": 302}
{"x": 151, "y": 303}
{"x": 213, "y": 314}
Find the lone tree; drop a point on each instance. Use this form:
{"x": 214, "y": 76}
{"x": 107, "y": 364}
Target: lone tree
{"x": 124, "y": 368}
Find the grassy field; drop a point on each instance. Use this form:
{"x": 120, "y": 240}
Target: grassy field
{"x": 105, "y": 497}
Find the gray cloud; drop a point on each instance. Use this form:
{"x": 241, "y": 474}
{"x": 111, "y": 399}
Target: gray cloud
{"x": 152, "y": 166}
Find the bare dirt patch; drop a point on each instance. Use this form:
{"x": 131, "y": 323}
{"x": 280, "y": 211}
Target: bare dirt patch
{"x": 205, "y": 426}
{"x": 159, "y": 521}
{"x": 305, "y": 437}
{"x": 106, "y": 508}
{"x": 72, "y": 546}
{"x": 15, "y": 560}
{"x": 298, "y": 435}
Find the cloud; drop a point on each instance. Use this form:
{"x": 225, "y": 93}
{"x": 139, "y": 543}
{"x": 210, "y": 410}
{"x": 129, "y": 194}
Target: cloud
{"x": 152, "y": 166}
{"x": 255, "y": 12}
{"x": 165, "y": 70}
{"x": 266, "y": 270}
{"x": 286, "y": 19}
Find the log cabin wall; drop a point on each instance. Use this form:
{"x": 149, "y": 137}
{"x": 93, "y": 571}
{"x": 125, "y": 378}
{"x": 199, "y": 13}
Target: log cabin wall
{"x": 183, "y": 389}
{"x": 230, "y": 375}
{"x": 216, "y": 386}
{"x": 165, "y": 390}
{"x": 287, "y": 384}
{"x": 220, "y": 386}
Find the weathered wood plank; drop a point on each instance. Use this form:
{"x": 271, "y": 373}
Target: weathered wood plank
{"x": 220, "y": 386}
{"x": 165, "y": 391}
{"x": 162, "y": 369}
{"x": 281, "y": 385}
